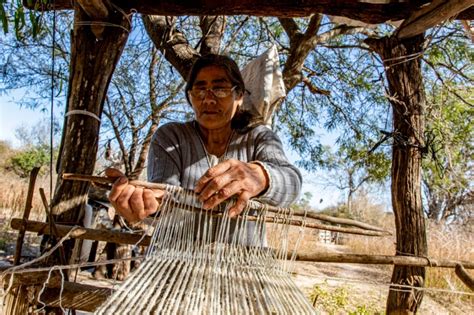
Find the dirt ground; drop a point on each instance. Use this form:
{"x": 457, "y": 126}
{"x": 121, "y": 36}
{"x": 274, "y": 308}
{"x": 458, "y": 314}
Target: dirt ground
{"x": 334, "y": 288}
{"x": 363, "y": 289}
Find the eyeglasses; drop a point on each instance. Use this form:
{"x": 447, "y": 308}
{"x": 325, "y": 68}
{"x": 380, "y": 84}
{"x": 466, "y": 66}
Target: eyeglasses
{"x": 200, "y": 94}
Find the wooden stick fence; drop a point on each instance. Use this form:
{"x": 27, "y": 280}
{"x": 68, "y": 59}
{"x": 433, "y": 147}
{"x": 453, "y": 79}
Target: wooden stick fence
{"x": 128, "y": 238}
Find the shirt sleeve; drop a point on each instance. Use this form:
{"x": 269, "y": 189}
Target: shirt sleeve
{"x": 285, "y": 179}
{"x": 164, "y": 163}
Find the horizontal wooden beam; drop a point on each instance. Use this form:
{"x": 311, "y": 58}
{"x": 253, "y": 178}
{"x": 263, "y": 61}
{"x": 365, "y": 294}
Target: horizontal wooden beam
{"x": 354, "y": 9}
{"x": 128, "y": 238}
{"x": 76, "y": 296}
{"x": 255, "y": 205}
{"x": 431, "y": 15}
{"x": 382, "y": 260}
{"x": 83, "y": 233}
{"x": 87, "y": 298}
{"x": 57, "y": 293}
{"x": 11, "y": 278}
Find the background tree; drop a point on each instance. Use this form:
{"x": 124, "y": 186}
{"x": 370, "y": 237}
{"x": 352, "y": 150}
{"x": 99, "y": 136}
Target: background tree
{"x": 352, "y": 168}
{"x": 448, "y": 171}
{"x": 141, "y": 95}
{"x": 447, "y": 168}
{"x": 35, "y": 149}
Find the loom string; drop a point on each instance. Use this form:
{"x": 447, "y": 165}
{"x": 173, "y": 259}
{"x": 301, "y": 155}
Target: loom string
{"x": 298, "y": 241}
{"x": 231, "y": 277}
{"x": 44, "y": 287}
{"x": 15, "y": 269}
{"x": 112, "y": 261}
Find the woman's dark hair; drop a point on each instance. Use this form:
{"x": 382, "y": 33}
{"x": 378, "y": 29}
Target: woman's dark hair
{"x": 230, "y": 67}
{"x": 242, "y": 118}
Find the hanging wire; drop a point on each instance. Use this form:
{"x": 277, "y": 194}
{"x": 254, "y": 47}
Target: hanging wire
{"x": 51, "y": 131}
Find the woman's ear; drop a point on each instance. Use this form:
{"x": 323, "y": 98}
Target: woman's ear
{"x": 239, "y": 96}
{"x": 239, "y": 101}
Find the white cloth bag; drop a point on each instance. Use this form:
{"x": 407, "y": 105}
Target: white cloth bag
{"x": 263, "y": 78}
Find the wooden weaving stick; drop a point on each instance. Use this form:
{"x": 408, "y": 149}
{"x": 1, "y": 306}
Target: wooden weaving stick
{"x": 363, "y": 228}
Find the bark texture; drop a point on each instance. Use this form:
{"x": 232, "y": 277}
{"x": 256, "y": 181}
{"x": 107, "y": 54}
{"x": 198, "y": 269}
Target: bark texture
{"x": 212, "y": 31}
{"x": 403, "y": 71}
{"x": 367, "y": 11}
{"x": 171, "y": 42}
{"x": 301, "y": 44}
{"x": 92, "y": 64}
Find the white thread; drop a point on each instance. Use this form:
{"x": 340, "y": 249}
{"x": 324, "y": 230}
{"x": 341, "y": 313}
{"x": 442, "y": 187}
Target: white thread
{"x": 198, "y": 263}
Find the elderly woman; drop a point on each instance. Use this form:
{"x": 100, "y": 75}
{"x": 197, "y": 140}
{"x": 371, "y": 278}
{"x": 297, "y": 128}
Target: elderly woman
{"x": 218, "y": 155}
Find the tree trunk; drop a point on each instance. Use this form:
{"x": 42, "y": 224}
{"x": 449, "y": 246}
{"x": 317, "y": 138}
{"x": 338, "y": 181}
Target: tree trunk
{"x": 92, "y": 64}
{"x": 403, "y": 71}
{"x": 350, "y": 193}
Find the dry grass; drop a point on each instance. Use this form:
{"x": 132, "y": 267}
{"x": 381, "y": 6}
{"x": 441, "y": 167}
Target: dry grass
{"x": 451, "y": 242}
{"x": 13, "y": 192}
{"x": 295, "y": 237}
{"x": 375, "y": 245}
{"x": 444, "y": 242}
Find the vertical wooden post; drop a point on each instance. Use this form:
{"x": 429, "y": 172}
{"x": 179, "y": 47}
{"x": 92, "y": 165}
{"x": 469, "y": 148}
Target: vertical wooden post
{"x": 16, "y": 301}
{"x": 26, "y": 214}
{"x": 93, "y": 61}
{"x": 403, "y": 71}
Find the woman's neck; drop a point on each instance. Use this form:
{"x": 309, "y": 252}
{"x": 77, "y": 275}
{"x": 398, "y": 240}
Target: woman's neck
{"x": 215, "y": 140}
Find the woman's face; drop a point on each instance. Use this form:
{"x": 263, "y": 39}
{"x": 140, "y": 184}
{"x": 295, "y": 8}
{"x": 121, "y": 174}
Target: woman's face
{"x": 213, "y": 98}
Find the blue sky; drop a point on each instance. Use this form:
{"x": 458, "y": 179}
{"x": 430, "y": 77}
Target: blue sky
{"x": 12, "y": 117}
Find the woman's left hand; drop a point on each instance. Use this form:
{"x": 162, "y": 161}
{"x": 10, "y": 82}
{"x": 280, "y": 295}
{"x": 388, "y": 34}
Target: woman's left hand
{"x": 229, "y": 178}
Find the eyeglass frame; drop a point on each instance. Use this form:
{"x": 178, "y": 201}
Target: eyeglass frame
{"x": 213, "y": 93}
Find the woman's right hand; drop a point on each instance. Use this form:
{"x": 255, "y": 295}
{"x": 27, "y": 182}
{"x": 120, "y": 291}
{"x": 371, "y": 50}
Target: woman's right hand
{"x": 131, "y": 202}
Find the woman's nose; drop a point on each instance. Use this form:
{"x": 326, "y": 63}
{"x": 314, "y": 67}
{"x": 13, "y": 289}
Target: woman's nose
{"x": 209, "y": 96}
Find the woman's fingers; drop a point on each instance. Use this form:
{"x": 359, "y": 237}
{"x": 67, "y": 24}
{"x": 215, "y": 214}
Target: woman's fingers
{"x": 216, "y": 186}
{"x": 222, "y": 194}
{"x": 117, "y": 188}
{"x": 113, "y": 172}
{"x": 136, "y": 203}
{"x": 239, "y": 205}
{"x": 122, "y": 203}
{"x": 211, "y": 174}
{"x": 150, "y": 202}
{"x": 133, "y": 203}
{"x": 231, "y": 178}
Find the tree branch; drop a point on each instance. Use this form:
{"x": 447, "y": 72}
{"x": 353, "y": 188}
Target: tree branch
{"x": 300, "y": 46}
{"x": 342, "y": 30}
{"x": 117, "y": 133}
{"x": 291, "y": 28}
{"x": 212, "y": 30}
{"x": 440, "y": 78}
{"x": 314, "y": 89}
{"x": 170, "y": 42}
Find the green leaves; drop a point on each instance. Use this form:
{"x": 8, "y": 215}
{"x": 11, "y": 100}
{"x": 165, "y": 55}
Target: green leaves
{"x": 12, "y": 14}
{"x": 3, "y": 17}
{"x": 23, "y": 162}
{"x": 447, "y": 167}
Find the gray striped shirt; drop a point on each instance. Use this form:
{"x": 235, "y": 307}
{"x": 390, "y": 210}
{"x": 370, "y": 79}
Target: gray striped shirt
{"x": 178, "y": 157}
